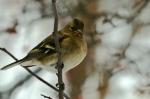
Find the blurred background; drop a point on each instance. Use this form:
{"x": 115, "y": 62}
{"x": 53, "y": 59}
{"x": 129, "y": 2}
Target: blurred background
{"x": 117, "y": 65}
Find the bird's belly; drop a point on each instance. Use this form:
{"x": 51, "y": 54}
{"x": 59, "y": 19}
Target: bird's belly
{"x": 73, "y": 60}
{"x": 70, "y": 60}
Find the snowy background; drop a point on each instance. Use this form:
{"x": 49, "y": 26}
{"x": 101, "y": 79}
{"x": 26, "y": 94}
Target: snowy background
{"x": 118, "y": 34}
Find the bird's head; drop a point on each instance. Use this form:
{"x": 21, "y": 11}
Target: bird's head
{"x": 74, "y": 28}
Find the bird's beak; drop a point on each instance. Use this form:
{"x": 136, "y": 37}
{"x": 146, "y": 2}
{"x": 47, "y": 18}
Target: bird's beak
{"x": 79, "y": 31}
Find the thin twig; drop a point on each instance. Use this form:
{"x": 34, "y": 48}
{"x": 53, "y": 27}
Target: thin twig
{"x": 47, "y": 97}
{"x": 131, "y": 18}
{"x": 139, "y": 10}
{"x": 20, "y": 83}
{"x": 58, "y": 49}
{"x": 33, "y": 74}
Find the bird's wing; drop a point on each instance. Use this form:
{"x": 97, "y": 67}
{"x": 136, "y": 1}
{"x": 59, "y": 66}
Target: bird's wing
{"x": 46, "y": 47}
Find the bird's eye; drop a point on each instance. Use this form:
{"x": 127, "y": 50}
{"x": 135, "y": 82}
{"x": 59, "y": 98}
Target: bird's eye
{"x": 72, "y": 28}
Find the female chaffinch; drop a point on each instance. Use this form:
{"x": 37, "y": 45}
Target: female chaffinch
{"x": 73, "y": 49}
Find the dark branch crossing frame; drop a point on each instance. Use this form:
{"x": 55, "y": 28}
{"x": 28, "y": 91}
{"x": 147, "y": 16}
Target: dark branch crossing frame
{"x": 59, "y": 66}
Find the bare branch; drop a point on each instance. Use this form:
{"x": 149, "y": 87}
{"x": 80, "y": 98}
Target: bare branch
{"x": 143, "y": 4}
{"x": 58, "y": 49}
{"x": 138, "y": 11}
{"x": 32, "y": 73}
{"x": 20, "y": 83}
{"x": 47, "y": 97}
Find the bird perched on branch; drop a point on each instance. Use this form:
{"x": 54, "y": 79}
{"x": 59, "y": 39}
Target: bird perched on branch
{"x": 73, "y": 49}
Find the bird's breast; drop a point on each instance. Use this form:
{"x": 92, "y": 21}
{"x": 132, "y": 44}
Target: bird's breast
{"x": 73, "y": 59}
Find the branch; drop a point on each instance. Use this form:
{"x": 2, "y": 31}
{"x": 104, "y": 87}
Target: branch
{"x": 20, "y": 83}
{"x": 32, "y": 73}
{"x": 139, "y": 10}
{"x": 143, "y": 4}
{"x": 59, "y": 66}
{"x": 48, "y": 97}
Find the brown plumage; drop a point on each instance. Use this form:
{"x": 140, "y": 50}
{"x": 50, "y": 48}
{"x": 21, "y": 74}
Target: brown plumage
{"x": 73, "y": 48}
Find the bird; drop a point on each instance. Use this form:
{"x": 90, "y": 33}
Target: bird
{"x": 73, "y": 48}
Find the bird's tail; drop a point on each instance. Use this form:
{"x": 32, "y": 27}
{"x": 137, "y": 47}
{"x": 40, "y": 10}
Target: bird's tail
{"x": 13, "y": 64}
